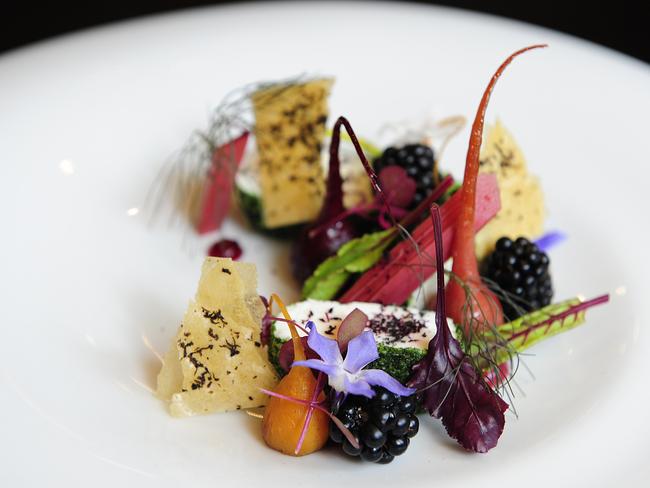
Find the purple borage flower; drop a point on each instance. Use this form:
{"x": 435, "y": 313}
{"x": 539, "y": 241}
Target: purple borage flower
{"x": 550, "y": 239}
{"x": 347, "y": 375}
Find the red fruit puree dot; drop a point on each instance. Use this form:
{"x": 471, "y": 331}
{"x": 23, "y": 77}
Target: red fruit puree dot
{"x": 225, "y": 248}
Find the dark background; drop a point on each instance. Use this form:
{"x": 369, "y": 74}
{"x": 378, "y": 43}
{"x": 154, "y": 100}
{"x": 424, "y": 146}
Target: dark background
{"x": 618, "y": 24}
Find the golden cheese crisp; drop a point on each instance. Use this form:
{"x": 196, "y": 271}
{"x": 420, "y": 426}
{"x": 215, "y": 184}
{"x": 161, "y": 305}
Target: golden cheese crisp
{"x": 216, "y": 362}
{"x": 289, "y": 128}
{"x": 522, "y": 201}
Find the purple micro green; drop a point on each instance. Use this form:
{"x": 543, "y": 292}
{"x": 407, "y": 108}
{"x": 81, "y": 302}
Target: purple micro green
{"x": 398, "y": 186}
{"x": 267, "y": 322}
{"x": 296, "y": 324}
{"x": 310, "y": 411}
{"x": 449, "y": 385}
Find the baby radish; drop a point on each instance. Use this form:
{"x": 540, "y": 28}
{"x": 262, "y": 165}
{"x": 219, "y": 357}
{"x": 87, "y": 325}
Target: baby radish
{"x": 469, "y": 301}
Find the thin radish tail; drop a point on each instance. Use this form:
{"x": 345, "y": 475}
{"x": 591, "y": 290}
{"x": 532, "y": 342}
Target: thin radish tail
{"x": 460, "y": 307}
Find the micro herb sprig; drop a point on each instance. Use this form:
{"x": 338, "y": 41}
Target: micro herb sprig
{"x": 180, "y": 180}
{"x": 450, "y": 386}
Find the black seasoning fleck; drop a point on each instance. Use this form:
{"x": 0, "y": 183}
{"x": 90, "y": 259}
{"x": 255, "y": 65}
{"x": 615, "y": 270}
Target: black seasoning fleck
{"x": 506, "y": 162}
{"x": 184, "y": 345}
{"x": 233, "y": 347}
{"x": 257, "y": 344}
{"x": 225, "y": 270}
{"x": 213, "y": 334}
{"x": 215, "y": 317}
{"x": 330, "y": 330}
{"x": 250, "y": 398}
{"x": 202, "y": 374}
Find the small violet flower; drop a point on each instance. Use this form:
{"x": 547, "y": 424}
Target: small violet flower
{"x": 347, "y": 375}
{"x": 550, "y": 239}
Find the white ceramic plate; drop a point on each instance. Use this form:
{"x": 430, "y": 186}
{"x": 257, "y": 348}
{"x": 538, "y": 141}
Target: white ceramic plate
{"x": 86, "y": 121}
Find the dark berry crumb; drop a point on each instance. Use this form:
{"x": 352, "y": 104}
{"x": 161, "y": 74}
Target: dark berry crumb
{"x": 395, "y": 329}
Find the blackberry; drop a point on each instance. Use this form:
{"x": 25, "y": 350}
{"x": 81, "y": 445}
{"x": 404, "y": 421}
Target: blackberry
{"x": 520, "y": 269}
{"x": 419, "y": 162}
{"x": 383, "y": 425}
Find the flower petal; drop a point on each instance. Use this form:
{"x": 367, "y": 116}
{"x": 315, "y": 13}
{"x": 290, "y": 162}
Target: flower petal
{"x": 377, "y": 377}
{"x": 318, "y": 365}
{"x": 550, "y": 239}
{"x": 358, "y": 387}
{"x": 327, "y": 349}
{"x": 351, "y": 326}
{"x": 362, "y": 350}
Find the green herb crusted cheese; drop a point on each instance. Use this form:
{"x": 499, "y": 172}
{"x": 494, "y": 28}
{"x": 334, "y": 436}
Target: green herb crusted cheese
{"x": 402, "y": 334}
{"x": 289, "y": 129}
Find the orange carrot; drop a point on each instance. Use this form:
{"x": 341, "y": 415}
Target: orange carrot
{"x": 480, "y": 309}
{"x": 284, "y": 419}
